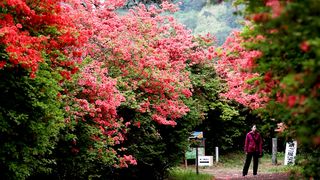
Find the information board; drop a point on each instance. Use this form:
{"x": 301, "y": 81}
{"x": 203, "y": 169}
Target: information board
{"x": 191, "y": 154}
{"x": 205, "y": 160}
{"x": 291, "y": 151}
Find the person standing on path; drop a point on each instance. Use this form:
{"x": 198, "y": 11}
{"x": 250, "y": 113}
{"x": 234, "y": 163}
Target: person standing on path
{"x": 252, "y": 148}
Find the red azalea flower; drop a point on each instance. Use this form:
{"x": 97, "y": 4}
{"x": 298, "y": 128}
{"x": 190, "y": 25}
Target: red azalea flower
{"x": 292, "y": 100}
{"x": 304, "y": 46}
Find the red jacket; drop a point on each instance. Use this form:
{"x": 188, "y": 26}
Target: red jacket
{"x": 253, "y": 142}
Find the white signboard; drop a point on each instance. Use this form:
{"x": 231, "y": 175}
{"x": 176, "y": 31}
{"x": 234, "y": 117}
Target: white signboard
{"x": 291, "y": 151}
{"x": 205, "y": 160}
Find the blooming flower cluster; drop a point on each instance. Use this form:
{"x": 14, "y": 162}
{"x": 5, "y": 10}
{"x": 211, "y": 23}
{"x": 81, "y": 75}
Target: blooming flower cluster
{"x": 235, "y": 67}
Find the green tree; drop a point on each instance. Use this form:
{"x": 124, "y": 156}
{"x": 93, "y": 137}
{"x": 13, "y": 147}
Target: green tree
{"x": 219, "y": 112}
{"x": 31, "y": 117}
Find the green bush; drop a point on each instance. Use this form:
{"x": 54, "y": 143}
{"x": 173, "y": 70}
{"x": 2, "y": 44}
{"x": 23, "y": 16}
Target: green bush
{"x": 31, "y": 117}
{"x": 185, "y": 174}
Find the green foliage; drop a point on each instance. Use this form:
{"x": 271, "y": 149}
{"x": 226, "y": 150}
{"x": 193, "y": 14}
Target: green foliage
{"x": 308, "y": 161}
{"x": 232, "y": 160}
{"x": 185, "y": 174}
{"x": 30, "y": 119}
{"x": 74, "y": 157}
{"x": 218, "y": 112}
{"x": 156, "y": 147}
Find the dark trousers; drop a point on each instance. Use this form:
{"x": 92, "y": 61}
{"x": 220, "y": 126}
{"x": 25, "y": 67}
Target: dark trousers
{"x": 255, "y": 156}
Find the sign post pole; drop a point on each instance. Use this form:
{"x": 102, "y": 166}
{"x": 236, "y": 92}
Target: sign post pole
{"x": 197, "y": 163}
{"x": 198, "y": 141}
{"x": 185, "y": 163}
{"x": 217, "y": 154}
{"x": 274, "y": 151}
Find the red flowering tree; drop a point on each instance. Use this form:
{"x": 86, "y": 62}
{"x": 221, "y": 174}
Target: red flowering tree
{"x": 288, "y": 68}
{"x": 234, "y": 66}
{"x": 137, "y": 75}
{"x": 137, "y": 64}
{"x": 35, "y": 41}
{"x": 41, "y": 40}
{"x": 31, "y": 29}
{"x": 146, "y": 52}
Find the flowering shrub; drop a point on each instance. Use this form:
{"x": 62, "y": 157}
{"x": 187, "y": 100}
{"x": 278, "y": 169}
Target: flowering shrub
{"x": 234, "y": 65}
{"x": 147, "y": 53}
{"x": 138, "y": 62}
{"x": 34, "y": 42}
{"x": 289, "y": 59}
{"x": 28, "y": 30}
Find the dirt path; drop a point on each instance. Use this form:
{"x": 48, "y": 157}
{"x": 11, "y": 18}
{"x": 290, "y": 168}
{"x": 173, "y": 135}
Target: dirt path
{"x": 234, "y": 175}
{"x": 230, "y": 167}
